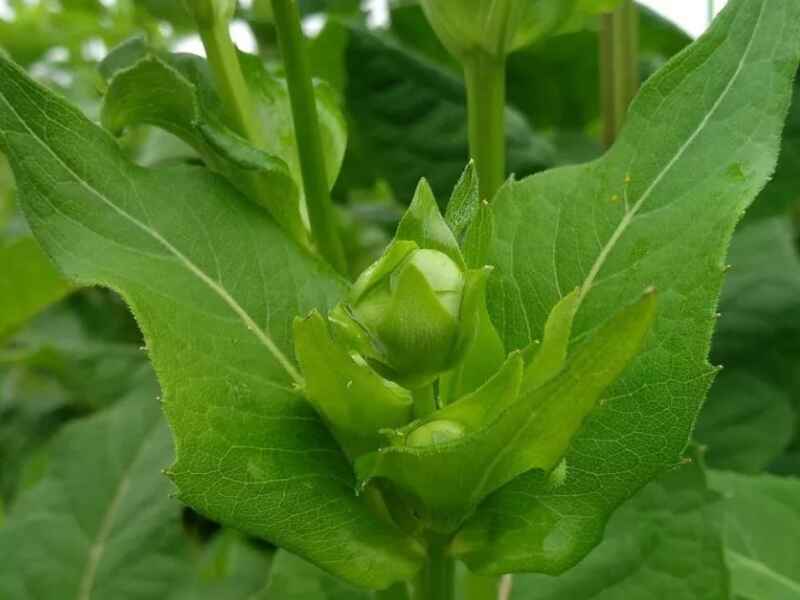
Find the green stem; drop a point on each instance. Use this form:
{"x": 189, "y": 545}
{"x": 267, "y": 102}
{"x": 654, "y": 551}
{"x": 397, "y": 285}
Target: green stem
{"x": 231, "y": 84}
{"x": 619, "y": 66}
{"x": 424, "y": 401}
{"x": 307, "y": 133}
{"x": 396, "y": 592}
{"x": 479, "y": 587}
{"x": 485, "y": 77}
{"x": 436, "y": 581}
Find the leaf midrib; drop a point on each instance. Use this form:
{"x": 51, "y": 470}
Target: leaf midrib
{"x": 248, "y": 321}
{"x": 97, "y": 547}
{"x": 629, "y": 215}
{"x": 762, "y": 569}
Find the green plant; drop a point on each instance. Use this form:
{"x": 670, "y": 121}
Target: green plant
{"x": 519, "y": 369}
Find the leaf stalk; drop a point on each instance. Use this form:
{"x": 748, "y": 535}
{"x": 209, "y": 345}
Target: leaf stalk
{"x": 321, "y": 212}
{"x": 619, "y": 66}
{"x": 485, "y": 77}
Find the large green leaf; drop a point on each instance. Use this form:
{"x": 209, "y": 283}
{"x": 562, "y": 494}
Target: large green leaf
{"x": 664, "y": 543}
{"x": 214, "y": 285}
{"x": 659, "y": 210}
{"x": 750, "y": 419}
{"x": 100, "y": 524}
{"x": 28, "y": 283}
{"x": 762, "y": 534}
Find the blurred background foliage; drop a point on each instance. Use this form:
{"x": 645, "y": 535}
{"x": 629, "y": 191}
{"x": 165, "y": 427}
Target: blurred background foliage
{"x": 70, "y": 357}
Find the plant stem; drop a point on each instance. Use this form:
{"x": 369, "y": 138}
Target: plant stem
{"x": 619, "y": 66}
{"x": 424, "y": 401}
{"x": 307, "y": 133}
{"x": 479, "y": 587}
{"x": 485, "y": 77}
{"x": 231, "y": 84}
{"x": 436, "y": 581}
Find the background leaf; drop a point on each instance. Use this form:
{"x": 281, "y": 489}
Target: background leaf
{"x": 407, "y": 120}
{"x": 658, "y": 210}
{"x": 750, "y": 417}
{"x": 28, "y": 283}
{"x": 101, "y": 523}
{"x": 666, "y": 542}
{"x": 761, "y": 534}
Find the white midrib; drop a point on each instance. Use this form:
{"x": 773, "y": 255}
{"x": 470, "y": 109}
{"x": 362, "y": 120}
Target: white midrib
{"x": 764, "y": 570}
{"x": 248, "y": 321}
{"x": 98, "y": 546}
{"x": 627, "y": 219}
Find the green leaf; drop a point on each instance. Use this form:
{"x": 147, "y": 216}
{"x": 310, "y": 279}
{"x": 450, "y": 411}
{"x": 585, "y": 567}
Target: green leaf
{"x": 762, "y": 534}
{"x": 503, "y": 430}
{"x": 295, "y": 579}
{"x": 215, "y": 285}
{"x": 408, "y": 121}
{"x": 176, "y": 92}
{"x": 230, "y": 568}
{"x": 29, "y": 283}
{"x": 666, "y": 542}
{"x": 781, "y": 193}
{"x": 100, "y": 524}
{"x": 657, "y": 210}
{"x": 750, "y": 419}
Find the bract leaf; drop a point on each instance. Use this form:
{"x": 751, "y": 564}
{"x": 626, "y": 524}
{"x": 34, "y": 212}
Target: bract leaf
{"x": 353, "y": 400}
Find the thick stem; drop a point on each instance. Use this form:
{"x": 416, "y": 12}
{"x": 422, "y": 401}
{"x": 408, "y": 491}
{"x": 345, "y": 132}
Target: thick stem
{"x": 424, "y": 401}
{"x": 231, "y": 84}
{"x": 479, "y": 587}
{"x": 436, "y": 581}
{"x": 619, "y": 66}
{"x": 486, "y": 104}
{"x": 321, "y": 213}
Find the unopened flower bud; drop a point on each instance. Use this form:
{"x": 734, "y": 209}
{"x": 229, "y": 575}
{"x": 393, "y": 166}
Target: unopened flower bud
{"x": 208, "y": 13}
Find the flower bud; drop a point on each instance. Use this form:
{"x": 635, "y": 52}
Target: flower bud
{"x": 405, "y": 314}
{"x": 208, "y": 13}
{"x": 501, "y": 26}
